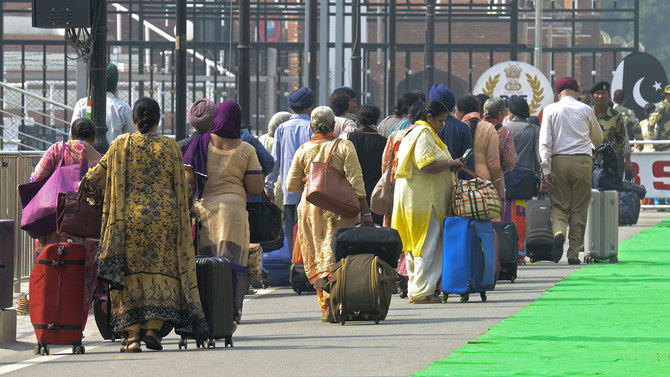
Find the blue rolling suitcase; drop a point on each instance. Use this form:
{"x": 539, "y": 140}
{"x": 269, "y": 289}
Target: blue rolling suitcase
{"x": 276, "y": 265}
{"x": 469, "y": 258}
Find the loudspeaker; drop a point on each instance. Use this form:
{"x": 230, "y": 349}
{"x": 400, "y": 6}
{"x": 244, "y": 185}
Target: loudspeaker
{"x": 6, "y": 263}
{"x": 51, "y": 14}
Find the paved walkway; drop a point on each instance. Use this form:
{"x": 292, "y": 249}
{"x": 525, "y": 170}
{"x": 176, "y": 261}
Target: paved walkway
{"x": 281, "y": 335}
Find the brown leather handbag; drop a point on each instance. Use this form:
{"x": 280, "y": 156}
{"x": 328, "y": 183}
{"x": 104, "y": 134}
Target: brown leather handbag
{"x": 80, "y": 213}
{"x": 381, "y": 198}
{"x": 329, "y": 189}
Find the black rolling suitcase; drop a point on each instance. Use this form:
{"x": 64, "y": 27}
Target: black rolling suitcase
{"x": 508, "y": 249}
{"x": 539, "y": 234}
{"x": 298, "y": 279}
{"x": 215, "y": 283}
{"x": 382, "y": 242}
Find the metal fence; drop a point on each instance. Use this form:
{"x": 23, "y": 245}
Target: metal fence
{"x": 15, "y": 168}
{"x": 470, "y": 36}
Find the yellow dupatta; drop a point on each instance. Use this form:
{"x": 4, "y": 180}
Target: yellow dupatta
{"x": 418, "y": 193}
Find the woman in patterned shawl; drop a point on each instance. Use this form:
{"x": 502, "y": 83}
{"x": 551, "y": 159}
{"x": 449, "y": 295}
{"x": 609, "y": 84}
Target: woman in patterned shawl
{"x": 146, "y": 252}
{"x": 78, "y": 150}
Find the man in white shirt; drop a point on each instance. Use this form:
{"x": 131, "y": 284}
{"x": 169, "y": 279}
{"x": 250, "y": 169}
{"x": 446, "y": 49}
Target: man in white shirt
{"x": 119, "y": 114}
{"x": 569, "y": 132}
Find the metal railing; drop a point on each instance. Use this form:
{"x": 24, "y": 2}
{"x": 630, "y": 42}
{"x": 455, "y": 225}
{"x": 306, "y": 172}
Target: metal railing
{"x": 15, "y": 168}
{"x": 30, "y": 121}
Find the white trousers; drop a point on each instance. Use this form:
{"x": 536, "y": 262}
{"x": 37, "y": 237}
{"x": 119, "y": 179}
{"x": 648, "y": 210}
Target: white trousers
{"x": 425, "y": 271}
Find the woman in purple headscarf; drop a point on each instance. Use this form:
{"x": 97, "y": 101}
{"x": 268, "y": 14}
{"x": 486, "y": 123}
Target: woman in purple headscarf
{"x": 223, "y": 170}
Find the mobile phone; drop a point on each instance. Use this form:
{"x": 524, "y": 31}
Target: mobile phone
{"x": 466, "y": 155}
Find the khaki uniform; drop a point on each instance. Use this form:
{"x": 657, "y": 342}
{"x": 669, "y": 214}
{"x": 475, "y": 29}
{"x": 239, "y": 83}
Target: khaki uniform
{"x": 614, "y": 130}
{"x": 660, "y": 122}
{"x": 630, "y": 121}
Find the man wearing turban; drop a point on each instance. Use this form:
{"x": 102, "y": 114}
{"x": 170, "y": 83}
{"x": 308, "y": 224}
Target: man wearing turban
{"x": 569, "y": 128}
{"x": 118, "y": 113}
{"x": 289, "y": 136}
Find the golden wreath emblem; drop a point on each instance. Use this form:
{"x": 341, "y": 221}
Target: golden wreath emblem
{"x": 538, "y": 93}
{"x": 491, "y": 84}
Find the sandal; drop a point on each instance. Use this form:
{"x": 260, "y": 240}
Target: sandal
{"x": 125, "y": 348}
{"x": 428, "y": 300}
{"x": 152, "y": 342}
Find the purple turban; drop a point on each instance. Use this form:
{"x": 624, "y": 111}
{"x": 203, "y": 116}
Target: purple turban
{"x": 228, "y": 120}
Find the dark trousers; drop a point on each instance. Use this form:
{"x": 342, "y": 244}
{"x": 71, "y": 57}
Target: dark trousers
{"x": 290, "y": 219}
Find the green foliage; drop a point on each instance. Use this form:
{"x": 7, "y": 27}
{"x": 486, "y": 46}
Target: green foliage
{"x": 654, "y": 35}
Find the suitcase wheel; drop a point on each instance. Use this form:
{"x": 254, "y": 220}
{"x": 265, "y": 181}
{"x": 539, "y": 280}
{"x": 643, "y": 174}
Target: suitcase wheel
{"x": 532, "y": 260}
{"x": 211, "y": 343}
{"x": 41, "y": 349}
{"x": 614, "y": 260}
{"x": 588, "y": 260}
{"x": 465, "y": 297}
{"x": 483, "y": 296}
{"x": 376, "y": 321}
{"x": 78, "y": 349}
{"x": 229, "y": 341}
{"x": 343, "y": 321}
{"x": 183, "y": 343}
{"x": 403, "y": 294}
{"x": 298, "y": 291}
{"x": 512, "y": 280}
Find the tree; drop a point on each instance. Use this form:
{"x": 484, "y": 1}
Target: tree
{"x": 654, "y": 34}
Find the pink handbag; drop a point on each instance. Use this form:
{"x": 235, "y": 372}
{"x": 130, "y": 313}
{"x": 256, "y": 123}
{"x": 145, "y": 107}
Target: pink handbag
{"x": 39, "y": 214}
{"x": 329, "y": 189}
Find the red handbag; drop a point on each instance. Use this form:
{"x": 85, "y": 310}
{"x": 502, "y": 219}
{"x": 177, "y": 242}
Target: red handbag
{"x": 329, "y": 189}
{"x": 80, "y": 213}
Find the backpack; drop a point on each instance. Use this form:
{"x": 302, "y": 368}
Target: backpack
{"x": 606, "y": 164}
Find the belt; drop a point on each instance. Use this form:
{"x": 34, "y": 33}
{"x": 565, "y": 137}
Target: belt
{"x": 572, "y": 155}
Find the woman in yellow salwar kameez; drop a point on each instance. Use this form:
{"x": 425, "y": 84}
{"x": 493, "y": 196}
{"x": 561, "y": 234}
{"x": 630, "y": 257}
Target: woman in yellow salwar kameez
{"x": 316, "y": 226}
{"x": 146, "y": 253}
{"x": 424, "y": 179}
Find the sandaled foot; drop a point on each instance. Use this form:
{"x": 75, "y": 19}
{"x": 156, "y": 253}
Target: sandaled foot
{"x": 152, "y": 342}
{"x": 428, "y": 300}
{"x": 129, "y": 347}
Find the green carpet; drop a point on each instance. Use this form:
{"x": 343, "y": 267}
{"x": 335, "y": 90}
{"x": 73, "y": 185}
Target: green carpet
{"x": 603, "y": 320}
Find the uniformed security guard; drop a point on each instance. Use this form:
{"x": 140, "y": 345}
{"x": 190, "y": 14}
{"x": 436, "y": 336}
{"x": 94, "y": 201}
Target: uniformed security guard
{"x": 629, "y": 119}
{"x": 612, "y": 124}
{"x": 660, "y": 121}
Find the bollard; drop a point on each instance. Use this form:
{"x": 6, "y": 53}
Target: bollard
{"x": 6, "y": 263}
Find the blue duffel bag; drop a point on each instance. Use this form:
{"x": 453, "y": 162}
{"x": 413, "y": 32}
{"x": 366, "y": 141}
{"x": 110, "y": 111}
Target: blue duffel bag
{"x": 521, "y": 183}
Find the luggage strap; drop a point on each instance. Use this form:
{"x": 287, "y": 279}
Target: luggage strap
{"x": 52, "y": 326}
{"x": 63, "y": 263}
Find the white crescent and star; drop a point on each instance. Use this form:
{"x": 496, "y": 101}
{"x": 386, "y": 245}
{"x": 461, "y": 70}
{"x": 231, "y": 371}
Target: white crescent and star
{"x": 637, "y": 96}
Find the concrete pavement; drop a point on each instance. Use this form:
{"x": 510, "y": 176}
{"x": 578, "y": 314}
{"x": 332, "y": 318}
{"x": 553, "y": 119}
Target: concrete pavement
{"x": 281, "y": 335}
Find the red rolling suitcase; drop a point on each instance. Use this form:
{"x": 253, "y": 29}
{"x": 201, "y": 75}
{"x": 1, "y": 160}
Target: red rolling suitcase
{"x": 57, "y": 296}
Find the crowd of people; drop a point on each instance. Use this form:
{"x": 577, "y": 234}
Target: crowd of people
{"x": 155, "y": 187}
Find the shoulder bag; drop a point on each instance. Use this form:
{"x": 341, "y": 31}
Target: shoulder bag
{"x": 264, "y": 220}
{"x": 381, "y": 198}
{"x": 476, "y": 198}
{"x": 327, "y": 188}
{"x": 40, "y": 198}
{"x": 80, "y": 213}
